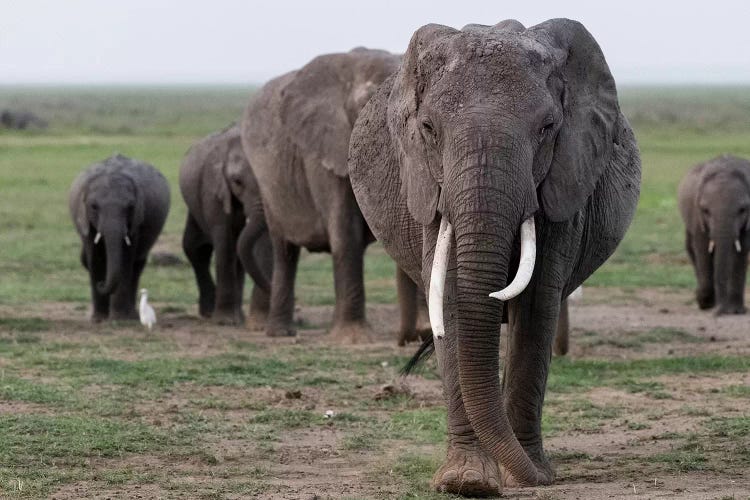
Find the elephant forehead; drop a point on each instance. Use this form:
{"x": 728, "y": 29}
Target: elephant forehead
{"x": 494, "y": 47}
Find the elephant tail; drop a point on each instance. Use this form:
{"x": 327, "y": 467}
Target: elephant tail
{"x": 423, "y": 354}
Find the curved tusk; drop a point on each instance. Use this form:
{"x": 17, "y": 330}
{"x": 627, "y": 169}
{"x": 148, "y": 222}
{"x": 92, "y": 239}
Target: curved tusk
{"x": 437, "y": 278}
{"x": 737, "y": 246}
{"x": 525, "y": 265}
{"x": 711, "y": 246}
{"x": 97, "y": 238}
{"x": 127, "y": 240}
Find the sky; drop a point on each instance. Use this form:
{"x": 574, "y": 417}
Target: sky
{"x": 234, "y": 41}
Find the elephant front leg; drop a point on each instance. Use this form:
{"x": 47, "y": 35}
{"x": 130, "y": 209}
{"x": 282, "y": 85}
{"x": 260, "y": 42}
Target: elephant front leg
{"x": 532, "y": 324}
{"x": 97, "y": 268}
{"x": 698, "y": 250}
{"x": 563, "y": 330}
{"x": 281, "y": 312}
{"x": 348, "y": 248}
{"x": 198, "y": 248}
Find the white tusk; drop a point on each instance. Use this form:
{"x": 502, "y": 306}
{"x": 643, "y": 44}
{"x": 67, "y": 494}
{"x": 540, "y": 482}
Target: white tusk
{"x": 737, "y": 246}
{"x": 97, "y": 238}
{"x": 127, "y": 240}
{"x": 525, "y": 265}
{"x": 437, "y": 278}
{"x": 710, "y": 246}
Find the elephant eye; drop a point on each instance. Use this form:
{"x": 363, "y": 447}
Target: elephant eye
{"x": 429, "y": 131}
{"x": 742, "y": 210}
{"x": 546, "y": 129}
{"x": 704, "y": 211}
{"x": 94, "y": 206}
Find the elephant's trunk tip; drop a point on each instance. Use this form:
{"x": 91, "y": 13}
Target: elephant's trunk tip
{"x": 525, "y": 265}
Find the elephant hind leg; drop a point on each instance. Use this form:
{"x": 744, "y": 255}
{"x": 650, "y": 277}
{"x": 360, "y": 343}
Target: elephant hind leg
{"x": 198, "y": 249}
{"x": 281, "y": 313}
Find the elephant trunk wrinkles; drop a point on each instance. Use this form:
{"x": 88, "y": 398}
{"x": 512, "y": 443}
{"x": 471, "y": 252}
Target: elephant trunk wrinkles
{"x": 114, "y": 239}
{"x": 494, "y": 198}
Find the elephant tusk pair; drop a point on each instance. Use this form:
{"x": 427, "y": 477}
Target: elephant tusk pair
{"x": 97, "y": 238}
{"x": 440, "y": 267}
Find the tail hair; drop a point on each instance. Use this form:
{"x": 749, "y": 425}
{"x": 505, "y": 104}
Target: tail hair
{"x": 423, "y": 354}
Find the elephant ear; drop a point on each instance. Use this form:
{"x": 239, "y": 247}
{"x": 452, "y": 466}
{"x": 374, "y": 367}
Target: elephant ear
{"x": 590, "y": 109}
{"x": 419, "y": 182}
{"x": 314, "y": 114}
{"x": 79, "y": 214}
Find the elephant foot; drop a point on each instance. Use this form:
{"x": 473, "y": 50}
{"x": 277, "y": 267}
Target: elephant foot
{"x": 706, "y": 300}
{"x": 352, "y": 333}
{"x": 280, "y": 331}
{"x": 724, "y": 310}
{"x": 256, "y": 321}
{"x": 469, "y": 473}
{"x": 98, "y": 317}
{"x": 228, "y": 318}
{"x": 123, "y": 315}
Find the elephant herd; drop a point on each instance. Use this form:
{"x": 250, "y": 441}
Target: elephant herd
{"x": 494, "y": 165}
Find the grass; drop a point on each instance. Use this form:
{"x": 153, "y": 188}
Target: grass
{"x": 203, "y": 413}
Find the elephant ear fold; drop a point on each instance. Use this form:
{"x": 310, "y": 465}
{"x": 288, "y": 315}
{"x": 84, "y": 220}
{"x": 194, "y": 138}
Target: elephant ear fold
{"x": 313, "y": 112}
{"x": 590, "y": 109}
{"x": 216, "y": 162}
{"x": 419, "y": 178}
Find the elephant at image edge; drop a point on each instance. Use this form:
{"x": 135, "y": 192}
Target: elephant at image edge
{"x": 225, "y": 218}
{"x": 295, "y": 133}
{"x": 118, "y": 207}
{"x": 486, "y": 133}
{"x": 714, "y": 200}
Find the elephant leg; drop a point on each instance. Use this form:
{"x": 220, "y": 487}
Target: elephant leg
{"x": 697, "y": 249}
{"x": 467, "y": 469}
{"x": 230, "y": 277}
{"x": 281, "y": 312}
{"x": 532, "y": 324}
{"x": 256, "y": 254}
{"x": 347, "y": 237}
{"x": 260, "y": 303}
{"x": 97, "y": 268}
{"x": 198, "y": 249}
{"x": 407, "y": 304}
{"x": 563, "y": 331}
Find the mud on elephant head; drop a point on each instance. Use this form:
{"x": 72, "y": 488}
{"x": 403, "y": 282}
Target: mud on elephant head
{"x": 491, "y": 132}
{"x": 714, "y": 199}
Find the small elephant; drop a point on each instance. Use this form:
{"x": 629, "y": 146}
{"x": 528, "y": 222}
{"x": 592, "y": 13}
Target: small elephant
{"x": 21, "y": 120}
{"x": 118, "y": 207}
{"x": 714, "y": 200}
{"x": 496, "y": 158}
{"x": 295, "y": 133}
{"x": 225, "y": 216}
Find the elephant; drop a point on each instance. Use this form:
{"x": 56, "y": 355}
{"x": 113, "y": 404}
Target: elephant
{"x": 714, "y": 201}
{"x": 118, "y": 207}
{"x": 487, "y": 144}
{"x": 295, "y": 133}
{"x": 225, "y": 215}
{"x": 21, "y": 120}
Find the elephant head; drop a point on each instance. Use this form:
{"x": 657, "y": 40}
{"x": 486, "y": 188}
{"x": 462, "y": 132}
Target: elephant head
{"x": 722, "y": 205}
{"x": 494, "y": 127}
{"x": 109, "y": 211}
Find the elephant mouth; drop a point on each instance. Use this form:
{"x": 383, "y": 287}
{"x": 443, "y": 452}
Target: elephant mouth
{"x": 440, "y": 267}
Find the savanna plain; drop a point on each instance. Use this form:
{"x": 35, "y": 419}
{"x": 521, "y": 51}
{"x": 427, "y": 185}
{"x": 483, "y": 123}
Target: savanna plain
{"x": 653, "y": 400}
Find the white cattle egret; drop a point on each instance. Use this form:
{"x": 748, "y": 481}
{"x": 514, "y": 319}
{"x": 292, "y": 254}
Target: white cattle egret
{"x": 145, "y": 311}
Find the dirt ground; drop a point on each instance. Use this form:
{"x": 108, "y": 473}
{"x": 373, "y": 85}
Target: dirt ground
{"x": 608, "y": 460}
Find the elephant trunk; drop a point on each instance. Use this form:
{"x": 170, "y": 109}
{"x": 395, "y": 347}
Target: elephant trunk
{"x": 729, "y": 271}
{"x": 496, "y": 195}
{"x": 114, "y": 239}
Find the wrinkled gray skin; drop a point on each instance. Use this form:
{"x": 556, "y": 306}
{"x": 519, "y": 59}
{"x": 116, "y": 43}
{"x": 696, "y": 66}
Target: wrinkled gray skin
{"x": 21, "y": 120}
{"x": 119, "y": 198}
{"x": 714, "y": 199}
{"x": 489, "y": 126}
{"x": 225, "y": 218}
{"x": 295, "y": 133}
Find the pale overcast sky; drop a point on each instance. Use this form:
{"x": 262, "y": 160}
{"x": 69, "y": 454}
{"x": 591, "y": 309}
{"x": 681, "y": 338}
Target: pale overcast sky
{"x": 233, "y": 41}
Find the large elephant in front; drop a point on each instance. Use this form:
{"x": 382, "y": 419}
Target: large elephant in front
{"x": 488, "y": 144}
{"x": 714, "y": 200}
{"x": 118, "y": 207}
{"x": 225, "y": 218}
{"x": 295, "y": 133}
